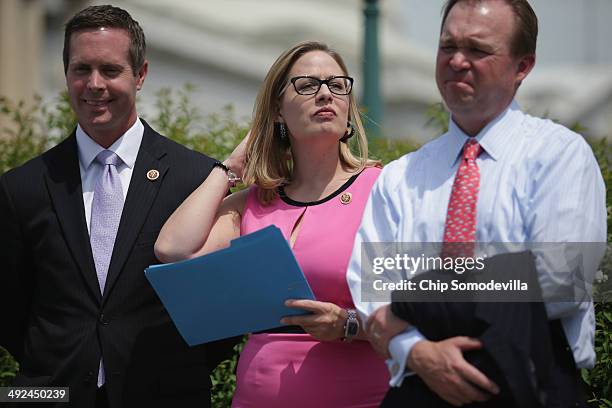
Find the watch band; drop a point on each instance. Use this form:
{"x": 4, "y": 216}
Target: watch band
{"x": 232, "y": 178}
{"x": 351, "y": 326}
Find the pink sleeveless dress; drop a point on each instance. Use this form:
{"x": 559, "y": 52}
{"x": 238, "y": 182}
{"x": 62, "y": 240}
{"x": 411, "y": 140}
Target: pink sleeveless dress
{"x": 295, "y": 370}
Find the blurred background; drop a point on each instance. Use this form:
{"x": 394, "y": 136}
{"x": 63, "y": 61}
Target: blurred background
{"x": 225, "y": 47}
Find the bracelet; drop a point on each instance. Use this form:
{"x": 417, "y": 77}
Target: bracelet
{"x": 232, "y": 177}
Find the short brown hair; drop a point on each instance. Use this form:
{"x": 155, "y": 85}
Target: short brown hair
{"x": 110, "y": 17}
{"x": 525, "y": 32}
{"x": 269, "y": 162}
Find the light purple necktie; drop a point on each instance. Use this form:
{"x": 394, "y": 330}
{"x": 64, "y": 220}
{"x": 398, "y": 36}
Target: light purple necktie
{"x": 105, "y": 216}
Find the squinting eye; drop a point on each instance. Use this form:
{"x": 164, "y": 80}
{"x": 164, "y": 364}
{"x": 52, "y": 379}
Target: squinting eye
{"x": 478, "y": 51}
{"x": 80, "y": 70}
{"x": 307, "y": 84}
{"x": 112, "y": 72}
{"x": 337, "y": 86}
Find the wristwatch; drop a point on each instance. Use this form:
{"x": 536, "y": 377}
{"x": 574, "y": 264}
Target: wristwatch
{"x": 232, "y": 177}
{"x": 351, "y": 326}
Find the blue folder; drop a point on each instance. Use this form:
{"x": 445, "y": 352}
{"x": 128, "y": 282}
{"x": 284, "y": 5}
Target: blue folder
{"x": 233, "y": 291}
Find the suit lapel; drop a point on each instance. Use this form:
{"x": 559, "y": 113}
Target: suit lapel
{"x": 140, "y": 197}
{"x": 63, "y": 181}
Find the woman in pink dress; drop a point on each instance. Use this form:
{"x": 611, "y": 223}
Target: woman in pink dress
{"x": 305, "y": 180}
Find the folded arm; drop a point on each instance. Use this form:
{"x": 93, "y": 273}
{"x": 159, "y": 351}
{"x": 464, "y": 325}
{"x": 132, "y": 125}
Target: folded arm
{"x": 394, "y": 338}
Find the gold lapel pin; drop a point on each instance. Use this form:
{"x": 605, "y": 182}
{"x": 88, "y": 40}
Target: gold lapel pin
{"x": 346, "y": 198}
{"x": 152, "y": 174}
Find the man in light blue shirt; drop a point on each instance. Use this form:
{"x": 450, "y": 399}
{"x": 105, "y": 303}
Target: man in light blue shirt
{"x": 539, "y": 182}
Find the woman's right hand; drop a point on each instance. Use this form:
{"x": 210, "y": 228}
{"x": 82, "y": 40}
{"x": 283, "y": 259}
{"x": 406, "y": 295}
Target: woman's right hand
{"x": 207, "y": 220}
{"x": 237, "y": 159}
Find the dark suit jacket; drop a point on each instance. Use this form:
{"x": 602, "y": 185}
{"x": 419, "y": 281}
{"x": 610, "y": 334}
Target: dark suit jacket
{"x": 519, "y": 351}
{"x": 54, "y": 320}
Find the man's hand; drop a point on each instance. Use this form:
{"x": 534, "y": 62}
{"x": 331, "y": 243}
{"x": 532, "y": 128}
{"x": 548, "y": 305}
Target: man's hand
{"x": 442, "y": 367}
{"x": 326, "y": 323}
{"x": 382, "y": 326}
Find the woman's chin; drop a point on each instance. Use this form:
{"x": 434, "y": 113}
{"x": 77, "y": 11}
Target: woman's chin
{"x": 329, "y": 130}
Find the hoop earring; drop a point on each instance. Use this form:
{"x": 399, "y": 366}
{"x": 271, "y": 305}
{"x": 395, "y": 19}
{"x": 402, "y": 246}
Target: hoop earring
{"x": 349, "y": 133}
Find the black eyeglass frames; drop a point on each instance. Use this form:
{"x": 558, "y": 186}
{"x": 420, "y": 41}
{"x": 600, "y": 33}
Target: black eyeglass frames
{"x": 338, "y": 85}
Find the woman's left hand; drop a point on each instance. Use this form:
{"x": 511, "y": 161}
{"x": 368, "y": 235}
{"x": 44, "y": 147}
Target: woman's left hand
{"x": 325, "y": 324}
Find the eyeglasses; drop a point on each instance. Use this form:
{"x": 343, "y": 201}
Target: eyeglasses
{"x": 338, "y": 85}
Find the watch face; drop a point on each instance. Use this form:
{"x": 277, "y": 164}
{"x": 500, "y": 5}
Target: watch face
{"x": 352, "y": 328}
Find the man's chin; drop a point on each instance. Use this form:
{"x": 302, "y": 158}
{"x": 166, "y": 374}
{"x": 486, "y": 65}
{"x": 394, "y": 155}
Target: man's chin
{"x": 458, "y": 105}
{"x": 99, "y": 119}
{"x": 95, "y": 125}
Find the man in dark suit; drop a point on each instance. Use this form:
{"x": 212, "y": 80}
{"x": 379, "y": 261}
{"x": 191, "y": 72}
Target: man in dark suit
{"x": 79, "y": 223}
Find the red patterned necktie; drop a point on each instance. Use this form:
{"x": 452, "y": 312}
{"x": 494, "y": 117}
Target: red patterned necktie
{"x": 460, "y": 227}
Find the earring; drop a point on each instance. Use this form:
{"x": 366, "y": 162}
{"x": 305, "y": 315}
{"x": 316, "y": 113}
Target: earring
{"x": 283, "y": 131}
{"x": 349, "y": 132}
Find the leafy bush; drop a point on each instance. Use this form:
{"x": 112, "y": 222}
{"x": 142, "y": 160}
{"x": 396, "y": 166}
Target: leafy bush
{"x": 600, "y": 377}
{"x": 216, "y": 134}
{"x": 28, "y": 132}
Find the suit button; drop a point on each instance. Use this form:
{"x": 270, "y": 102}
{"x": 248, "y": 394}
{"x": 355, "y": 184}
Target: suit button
{"x": 103, "y": 320}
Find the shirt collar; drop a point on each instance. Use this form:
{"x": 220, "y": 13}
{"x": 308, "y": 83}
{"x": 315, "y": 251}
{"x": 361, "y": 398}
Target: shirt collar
{"x": 494, "y": 138}
{"x": 126, "y": 147}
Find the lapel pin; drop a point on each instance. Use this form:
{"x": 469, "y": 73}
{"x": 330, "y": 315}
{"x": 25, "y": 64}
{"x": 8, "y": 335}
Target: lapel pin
{"x": 346, "y": 198}
{"x": 152, "y": 174}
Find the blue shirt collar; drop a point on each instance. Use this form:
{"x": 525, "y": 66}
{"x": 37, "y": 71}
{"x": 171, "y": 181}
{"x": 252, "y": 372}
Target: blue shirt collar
{"x": 494, "y": 138}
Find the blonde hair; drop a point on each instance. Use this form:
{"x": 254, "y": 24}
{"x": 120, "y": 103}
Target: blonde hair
{"x": 268, "y": 159}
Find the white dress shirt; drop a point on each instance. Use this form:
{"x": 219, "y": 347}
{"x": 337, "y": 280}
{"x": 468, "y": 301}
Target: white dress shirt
{"x": 126, "y": 147}
{"x": 539, "y": 183}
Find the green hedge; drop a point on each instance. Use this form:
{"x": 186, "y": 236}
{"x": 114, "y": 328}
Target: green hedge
{"x": 28, "y": 131}
{"x": 600, "y": 378}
